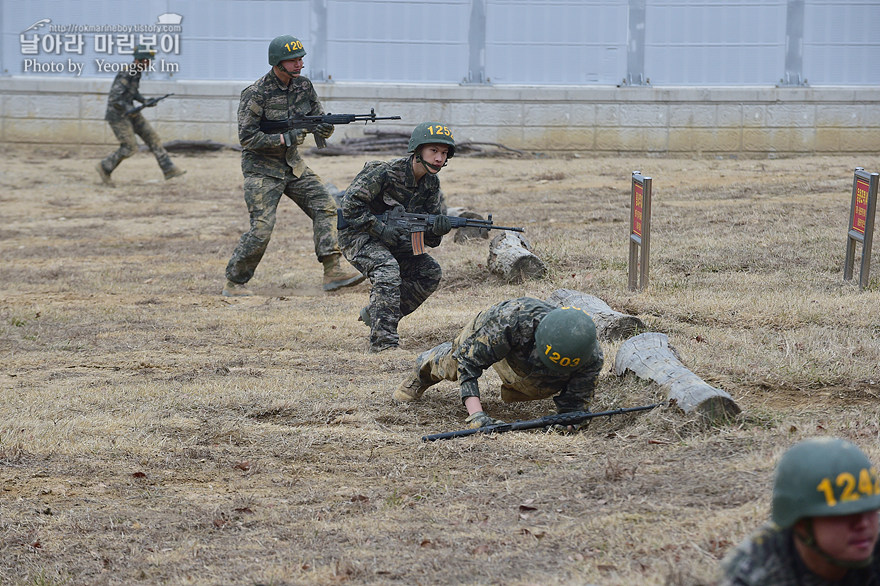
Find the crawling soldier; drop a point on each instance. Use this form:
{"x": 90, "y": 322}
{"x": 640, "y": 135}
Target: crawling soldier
{"x": 539, "y": 350}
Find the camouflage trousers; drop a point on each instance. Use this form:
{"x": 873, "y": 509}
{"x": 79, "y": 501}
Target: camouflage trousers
{"x": 125, "y": 128}
{"x": 401, "y": 281}
{"x": 439, "y": 363}
{"x": 262, "y": 194}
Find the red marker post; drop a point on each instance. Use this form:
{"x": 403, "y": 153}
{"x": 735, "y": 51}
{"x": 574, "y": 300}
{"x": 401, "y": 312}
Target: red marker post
{"x": 639, "y": 231}
{"x": 861, "y": 224}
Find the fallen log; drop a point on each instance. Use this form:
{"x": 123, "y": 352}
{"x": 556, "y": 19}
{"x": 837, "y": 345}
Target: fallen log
{"x": 610, "y": 324}
{"x": 510, "y": 257}
{"x": 197, "y": 146}
{"x": 650, "y": 357}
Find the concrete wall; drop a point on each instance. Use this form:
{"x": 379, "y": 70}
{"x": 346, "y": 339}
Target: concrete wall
{"x": 751, "y": 121}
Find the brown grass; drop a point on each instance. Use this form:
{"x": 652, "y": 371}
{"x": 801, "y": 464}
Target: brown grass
{"x": 152, "y": 431}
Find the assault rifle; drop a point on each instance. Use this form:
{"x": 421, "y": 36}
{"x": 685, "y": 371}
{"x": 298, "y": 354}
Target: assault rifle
{"x": 147, "y": 104}
{"x": 310, "y": 123}
{"x": 418, "y": 223}
{"x": 563, "y": 419}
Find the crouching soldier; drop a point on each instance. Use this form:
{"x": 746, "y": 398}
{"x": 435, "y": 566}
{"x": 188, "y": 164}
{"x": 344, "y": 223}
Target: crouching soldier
{"x": 539, "y": 350}
{"x": 401, "y": 279}
{"x": 824, "y": 523}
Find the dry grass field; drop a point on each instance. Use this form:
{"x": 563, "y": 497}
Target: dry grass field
{"x": 154, "y": 432}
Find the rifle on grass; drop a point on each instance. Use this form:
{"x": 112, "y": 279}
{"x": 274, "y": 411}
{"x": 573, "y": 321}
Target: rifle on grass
{"x": 417, "y": 224}
{"x": 310, "y": 123}
{"x": 147, "y": 104}
{"x": 563, "y": 419}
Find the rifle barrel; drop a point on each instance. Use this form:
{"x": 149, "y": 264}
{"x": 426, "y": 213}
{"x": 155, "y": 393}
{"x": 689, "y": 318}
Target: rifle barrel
{"x": 562, "y": 419}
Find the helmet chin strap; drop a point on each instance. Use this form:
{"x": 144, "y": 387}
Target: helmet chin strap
{"x": 428, "y": 166}
{"x": 285, "y": 71}
{"x": 810, "y": 541}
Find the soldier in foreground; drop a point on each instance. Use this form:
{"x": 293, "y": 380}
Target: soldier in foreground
{"x": 272, "y": 167}
{"x": 401, "y": 280}
{"x": 539, "y": 350}
{"x": 126, "y": 124}
{"x": 824, "y": 522}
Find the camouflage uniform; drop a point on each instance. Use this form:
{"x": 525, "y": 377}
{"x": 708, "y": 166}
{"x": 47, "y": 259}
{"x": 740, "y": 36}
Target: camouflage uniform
{"x": 401, "y": 280}
{"x": 123, "y": 93}
{"x": 769, "y": 556}
{"x": 503, "y": 337}
{"x": 272, "y": 169}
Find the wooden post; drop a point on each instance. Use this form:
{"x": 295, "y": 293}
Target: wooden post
{"x": 651, "y": 357}
{"x": 639, "y": 231}
{"x": 861, "y": 224}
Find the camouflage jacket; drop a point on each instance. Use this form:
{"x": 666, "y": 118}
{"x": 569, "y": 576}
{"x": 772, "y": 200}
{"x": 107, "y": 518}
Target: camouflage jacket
{"x": 124, "y": 91}
{"x": 381, "y": 186}
{"x": 269, "y": 99}
{"x": 506, "y": 331}
{"x": 769, "y": 556}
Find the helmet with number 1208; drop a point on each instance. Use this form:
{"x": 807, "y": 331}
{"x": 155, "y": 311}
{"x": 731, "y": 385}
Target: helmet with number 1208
{"x": 283, "y": 48}
{"x": 142, "y": 52}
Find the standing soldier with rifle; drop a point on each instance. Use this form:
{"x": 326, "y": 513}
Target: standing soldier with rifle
{"x": 539, "y": 350}
{"x": 272, "y": 167}
{"x": 402, "y": 278}
{"x": 126, "y": 119}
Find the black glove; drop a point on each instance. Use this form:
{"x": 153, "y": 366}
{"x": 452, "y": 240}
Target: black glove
{"x": 390, "y": 235}
{"x": 150, "y": 103}
{"x": 324, "y": 130}
{"x": 441, "y": 226}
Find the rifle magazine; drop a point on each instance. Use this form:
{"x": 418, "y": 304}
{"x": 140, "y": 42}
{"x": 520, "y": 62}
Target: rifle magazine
{"x": 418, "y": 242}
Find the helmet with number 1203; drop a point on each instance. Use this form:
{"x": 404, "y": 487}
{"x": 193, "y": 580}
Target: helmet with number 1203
{"x": 565, "y": 339}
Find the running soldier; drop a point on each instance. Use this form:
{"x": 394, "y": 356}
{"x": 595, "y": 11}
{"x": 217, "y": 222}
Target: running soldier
{"x": 123, "y": 93}
{"x": 539, "y": 350}
{"x": 272, "y": 167}
{"x": 823, "y": 527}
{"x": 401, "y": 281}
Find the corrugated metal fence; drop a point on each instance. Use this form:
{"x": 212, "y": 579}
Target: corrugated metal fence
{"x": 514, "y": 42}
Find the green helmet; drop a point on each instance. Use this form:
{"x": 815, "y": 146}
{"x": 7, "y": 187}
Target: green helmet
{"x": 142, "y": 52}
{"x": 565, "y": 339}
{"x": 823, "y": 477}
{"x": 432, "y": 133}
{"x": 283, "y": 48}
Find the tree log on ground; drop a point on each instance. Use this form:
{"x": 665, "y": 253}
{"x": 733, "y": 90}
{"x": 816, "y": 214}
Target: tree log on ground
{"x": 610, "y": 324}
{"x": 649, "y": 356}
{"x": 196, "y": 146}
{"x": 511, "y": 258}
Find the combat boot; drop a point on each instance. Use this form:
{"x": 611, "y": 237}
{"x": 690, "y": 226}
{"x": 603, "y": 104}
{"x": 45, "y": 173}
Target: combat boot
{"x": 337, "y": 277}
{"x": 105, "y": 174}
{"x": 364, "y": 316}
{"x": 235, "y": 290}
{"x": 172, "y": 172}
{"x": 410, "y": 390}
